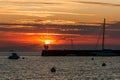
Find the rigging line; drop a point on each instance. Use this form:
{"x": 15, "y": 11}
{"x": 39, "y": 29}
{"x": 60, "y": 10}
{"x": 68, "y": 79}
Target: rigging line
{"x": 98, "y": 39}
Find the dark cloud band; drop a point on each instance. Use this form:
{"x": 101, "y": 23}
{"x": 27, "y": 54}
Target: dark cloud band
{"x": 98, "y": 3}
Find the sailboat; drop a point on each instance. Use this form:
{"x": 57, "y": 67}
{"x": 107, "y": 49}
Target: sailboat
{"x": 105, "y": 52}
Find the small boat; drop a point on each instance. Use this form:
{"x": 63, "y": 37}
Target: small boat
{"x": 14, "y": 56}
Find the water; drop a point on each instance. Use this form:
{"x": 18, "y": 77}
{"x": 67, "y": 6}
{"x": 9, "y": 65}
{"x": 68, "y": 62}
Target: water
{"x": 67, "y": 68}
{"x": 21, "y": 53}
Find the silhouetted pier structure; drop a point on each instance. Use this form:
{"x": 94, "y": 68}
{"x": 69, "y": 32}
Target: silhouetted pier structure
{"x": 80, "y": 53}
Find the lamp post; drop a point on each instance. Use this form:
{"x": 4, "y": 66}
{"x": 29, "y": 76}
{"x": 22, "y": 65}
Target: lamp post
{"x": 46, "y": 46}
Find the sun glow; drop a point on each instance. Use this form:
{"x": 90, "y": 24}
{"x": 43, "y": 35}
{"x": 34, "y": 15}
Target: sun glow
{"x": 47, "y": 42}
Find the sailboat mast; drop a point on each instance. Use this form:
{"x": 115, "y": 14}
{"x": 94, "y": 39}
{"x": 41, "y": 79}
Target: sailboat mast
{"x": 103, "y": 38}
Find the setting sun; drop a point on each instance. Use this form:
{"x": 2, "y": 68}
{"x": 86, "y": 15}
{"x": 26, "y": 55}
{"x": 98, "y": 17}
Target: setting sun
{"x": 47, "y": 41}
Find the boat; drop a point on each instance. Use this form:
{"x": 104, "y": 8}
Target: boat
{"x": 14, "y": 56}
{"x": 106, "y": 52}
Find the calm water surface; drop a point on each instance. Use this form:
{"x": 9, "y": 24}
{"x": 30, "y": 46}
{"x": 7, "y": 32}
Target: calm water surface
{"x": 67, "y": 68}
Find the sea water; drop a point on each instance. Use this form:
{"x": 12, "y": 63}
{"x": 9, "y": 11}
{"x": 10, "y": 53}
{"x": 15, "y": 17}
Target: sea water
{"x": 36, "y": 67}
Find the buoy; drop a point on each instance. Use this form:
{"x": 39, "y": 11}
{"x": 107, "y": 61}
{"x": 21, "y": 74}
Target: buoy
{"x": 103, "y": 64}
{"x": 92, "y": 58}
{"x": 53, "y": 69}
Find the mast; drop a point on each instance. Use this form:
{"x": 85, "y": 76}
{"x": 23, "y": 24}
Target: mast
{"x": 103, "y": 37}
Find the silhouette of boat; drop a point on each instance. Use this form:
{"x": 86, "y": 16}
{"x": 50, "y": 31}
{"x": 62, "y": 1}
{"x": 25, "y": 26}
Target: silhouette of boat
{"x": 14, "y": 56}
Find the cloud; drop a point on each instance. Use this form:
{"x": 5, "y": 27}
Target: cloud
{"x": 29, "y": 2}
{"x": 59, "y": 27}
{"x": 27, "y": 13}
{"x": 98, "y": 3}
{"x": 35, "y": 9}
{"x": 18, "y": 11}
{"x": 50, "y": 28}
{"x": 114, "y": 30}
{"x": 52, "y": 3}
{"x": 68, "y": 13}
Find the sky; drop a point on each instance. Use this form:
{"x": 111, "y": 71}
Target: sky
{"x": 25, "y": 25}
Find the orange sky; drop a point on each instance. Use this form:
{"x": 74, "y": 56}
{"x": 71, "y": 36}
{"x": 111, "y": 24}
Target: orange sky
{"x": 32, "y": 22}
